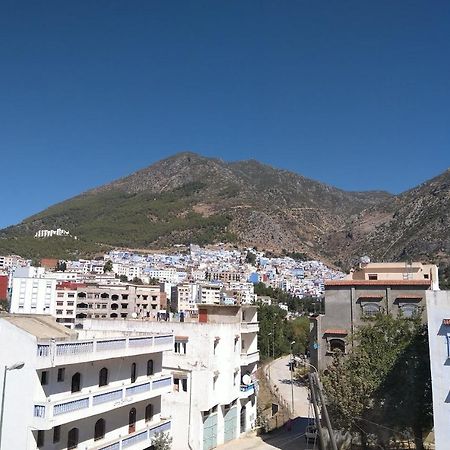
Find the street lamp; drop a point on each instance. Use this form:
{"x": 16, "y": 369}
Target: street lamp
{"x": 292, "y": 383}
{"x": 15, "y": 366}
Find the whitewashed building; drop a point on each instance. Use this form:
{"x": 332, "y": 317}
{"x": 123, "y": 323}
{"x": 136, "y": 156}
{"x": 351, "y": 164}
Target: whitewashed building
{"x": 66, "y": 391}
{"x": 438, "y": 313}
{"x": 32, "y": 292}
{"x": 213, "y": 364}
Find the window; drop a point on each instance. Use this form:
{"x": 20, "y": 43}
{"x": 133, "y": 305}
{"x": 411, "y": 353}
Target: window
{"x": 72, "y": 439}
{"x": 44, "y": 377}
{"x": 59, "y": 312}
{"x": 61, "y": 374}
{"x": 132, "y": 420}
{"x": 426, "y": 276}
{"x": 409, "y": 310}
{"x": 99, "y": 429}
{"x": 40, "y": 438}
{"x": 180, "y": 347}
{"x": 56, "y": 434}
{"x": 103, "y": 377}
{"x": 149, "y": 412}
{"x": 150, "y": 367}
{"x": 176, "y": 384}
{"x": 184, "y": 384}
{"x": 133, "y": 372}
{"x": 337, "y": 345}
{"x": 76, "y": 384}
{"x": 59, "y": 303}
{"x": 60, "y": 294}
{"x": 370, "y": 309}
{"x": 373, "y": 276}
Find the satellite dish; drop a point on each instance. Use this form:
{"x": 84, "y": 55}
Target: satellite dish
{"x": 134, "y": 315}
{"x": 365, "y": 260}
{"x": 246, "y": 380}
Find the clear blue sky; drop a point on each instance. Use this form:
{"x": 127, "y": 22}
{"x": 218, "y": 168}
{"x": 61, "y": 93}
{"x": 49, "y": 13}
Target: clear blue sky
{"x": 352, "y": 93}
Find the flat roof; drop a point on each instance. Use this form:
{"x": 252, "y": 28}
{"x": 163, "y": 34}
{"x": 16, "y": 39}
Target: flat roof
{"x": 40, "y": 326}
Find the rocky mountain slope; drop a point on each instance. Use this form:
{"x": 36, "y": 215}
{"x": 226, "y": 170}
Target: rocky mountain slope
{"x": 189, "y": 198}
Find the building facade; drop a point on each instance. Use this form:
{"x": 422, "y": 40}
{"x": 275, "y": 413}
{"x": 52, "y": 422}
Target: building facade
{"x": 77, "y": 391}
{"x": 388, "y": 288}
{"x": 213, "y": 364}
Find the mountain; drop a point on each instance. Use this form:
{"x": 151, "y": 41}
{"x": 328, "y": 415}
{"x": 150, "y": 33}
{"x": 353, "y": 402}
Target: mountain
{"x": 190, "y": 198}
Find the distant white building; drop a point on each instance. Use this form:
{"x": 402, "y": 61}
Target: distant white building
{"x": 213, "y": 364}
{"x": 438, "y": 314}
{"x": 32, "y": 293}
{"x": 102, "y": 393}
{"x": 209, "y": 293}
{"x": 50, "y": 233}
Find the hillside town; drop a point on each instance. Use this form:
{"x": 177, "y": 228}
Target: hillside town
{"x": 186, "y": 325}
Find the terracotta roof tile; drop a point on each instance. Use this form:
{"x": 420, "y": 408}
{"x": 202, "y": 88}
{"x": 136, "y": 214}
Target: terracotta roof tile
{"x": 329, "y": 283}
{"x": 338, "y": 331}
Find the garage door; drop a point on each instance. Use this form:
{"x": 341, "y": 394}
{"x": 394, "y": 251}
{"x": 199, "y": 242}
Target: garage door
{"x": 210, "y": 431}
{"x": 230, "y": 424}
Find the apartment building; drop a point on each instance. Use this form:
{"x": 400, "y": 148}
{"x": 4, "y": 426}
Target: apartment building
{"x": 66, "y": 390}
{"x": 209, "y": 293}
{"x": 120, "y": 301}
{"x": 438, "y": 309}
{"x": 370, "y": 289}
{"x": 184, "y": 297}
{"x": 224, "y": 276}
{"x": 66, "y": 299}
{"x": 32, "y": 292}
{"x": 213, "y": 364}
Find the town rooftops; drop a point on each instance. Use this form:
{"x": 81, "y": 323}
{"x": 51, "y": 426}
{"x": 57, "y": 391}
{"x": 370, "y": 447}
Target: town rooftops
{"x": 40, "y": 326}
{"x": 344, "y": 282}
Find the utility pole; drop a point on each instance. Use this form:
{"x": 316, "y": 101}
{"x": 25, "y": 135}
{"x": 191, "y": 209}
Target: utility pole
{"x": 316, "y": 411}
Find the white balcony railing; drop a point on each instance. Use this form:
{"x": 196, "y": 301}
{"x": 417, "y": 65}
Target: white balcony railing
{"x": 144, "y": 435}
{"x": 51, "y": 353}
{"x": 94, "y": 403}
{"x": 249, "y": 327}
{"x": 249, "y": 357}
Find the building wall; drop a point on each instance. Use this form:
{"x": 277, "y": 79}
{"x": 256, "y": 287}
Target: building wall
{"x": 3, "y": 287}
{"x": 438, "y": 306}
{"x": 33, "y": 296}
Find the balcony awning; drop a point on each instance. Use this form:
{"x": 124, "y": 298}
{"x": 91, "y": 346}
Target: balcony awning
{"x": 181, "y": 338}
{"x": 336, "y": 332}
{"x": 371, "y": 297}
{"x": 409, "y": 297}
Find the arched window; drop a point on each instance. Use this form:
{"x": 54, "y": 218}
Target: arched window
{"x": 133, "y": 372}
{"x": 103, "y": 377}
{"x": 132, "y": 420}
{"x": 337, "y": 345}
{"x": 150, "y": 367}
{"x": 114, "y": 306}
{"x": 76, "y": 382}
{"x": 149, "y": 412}
{"x": 371, "y": 309}
{"x": 99, "y": 430}
{"x": 72, "y": 439}
{"x": 113, "y": 315}
{"x": 409, "y": 310}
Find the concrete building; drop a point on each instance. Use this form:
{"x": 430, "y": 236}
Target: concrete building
{"x": 438, "y": 309}
{"x": 389, "y": 288}
{"x": 184, "y": 297}
{"x": 101, "y": 393}
{"x": 213, "y": 364}
{"x": 209, "y": 293}
{"x": 32, "y": 293}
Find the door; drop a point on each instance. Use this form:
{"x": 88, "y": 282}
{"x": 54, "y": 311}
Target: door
{"x": 132, "y": 421}
{"x": 210, "y": 431}
{"x": 76, "y": 382}
{"x": 243, "y": 419}
{"x": 230, "y": 424}
{"x": 203, "y": 315}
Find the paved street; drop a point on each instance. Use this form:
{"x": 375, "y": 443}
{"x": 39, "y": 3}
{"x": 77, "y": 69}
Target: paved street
{"x": 280, "y": 376}
{"x": 285, "y": 439}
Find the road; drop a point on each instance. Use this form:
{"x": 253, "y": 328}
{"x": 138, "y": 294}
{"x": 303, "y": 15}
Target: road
{"x": 283, "y": 438}
{"x": 280, "y": 376}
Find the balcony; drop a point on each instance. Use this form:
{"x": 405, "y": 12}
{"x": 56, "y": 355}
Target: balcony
{"x": 56, "y": 412}
{"x": 247, "y": 390}
{"x": 137, "y": 441}
{"x": 51, "y": 354}
{"x": 249, "y": 357}
{"x": 249, "y": 327}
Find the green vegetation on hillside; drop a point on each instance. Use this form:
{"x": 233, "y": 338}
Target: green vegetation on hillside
{"x": 116, "y": 218}
{"x": 276, "y": 332}
{"x": 295, "y": 304}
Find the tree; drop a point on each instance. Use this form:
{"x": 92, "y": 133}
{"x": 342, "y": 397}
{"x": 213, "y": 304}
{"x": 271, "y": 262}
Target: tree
{"x": 383, "y": 386}
{"x": 123, "y": 278}
{"x": 250, "y": 258}
{"x": 108, "y": 267}
{"x": 162, "y": 441}
{"x": 137, "y": 280}
{"x": 61, "y": 266}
